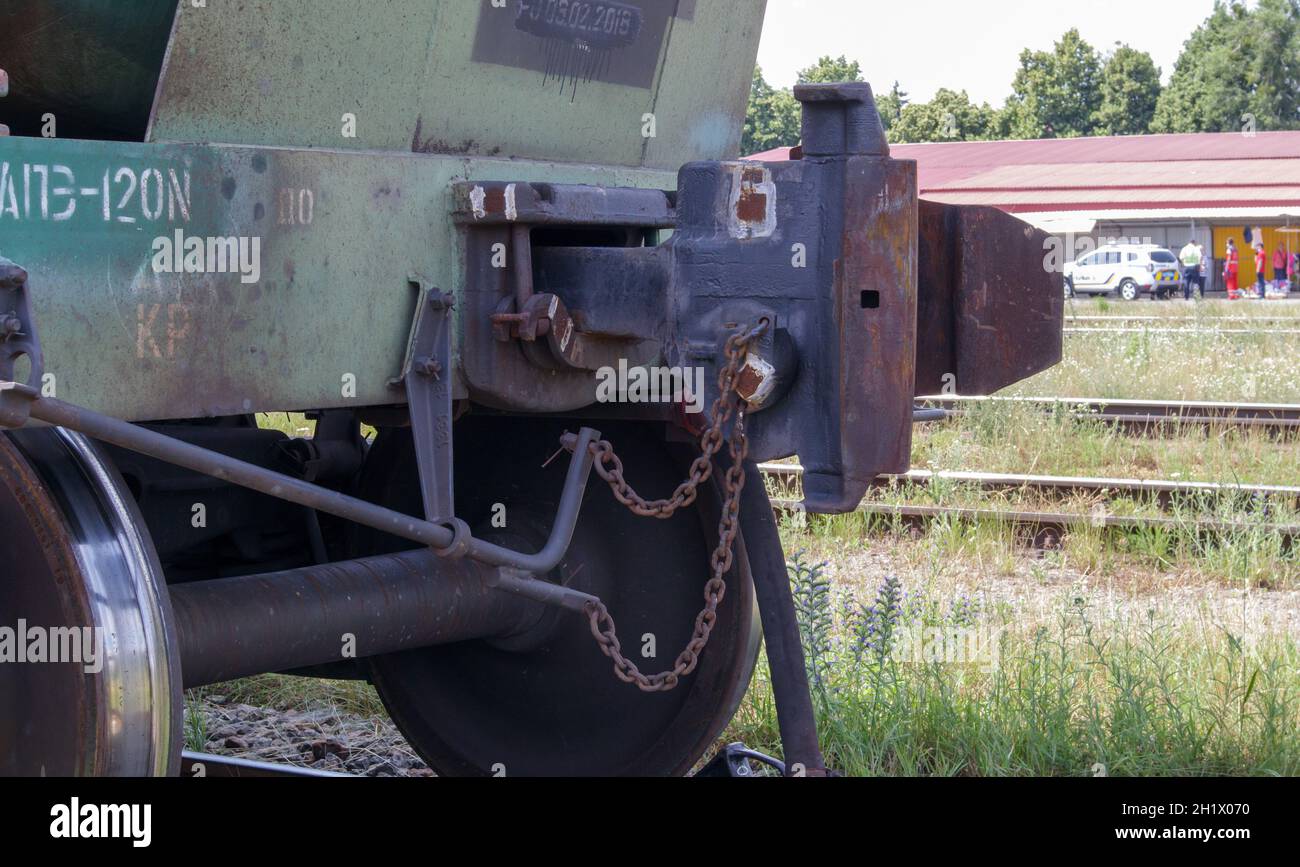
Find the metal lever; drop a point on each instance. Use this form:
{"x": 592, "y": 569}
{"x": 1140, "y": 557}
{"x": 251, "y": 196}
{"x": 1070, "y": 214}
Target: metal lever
{"x": 226, "y": 468}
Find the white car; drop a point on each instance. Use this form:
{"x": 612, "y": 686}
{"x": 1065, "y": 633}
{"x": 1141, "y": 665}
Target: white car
{"x": 1128, "y": 270}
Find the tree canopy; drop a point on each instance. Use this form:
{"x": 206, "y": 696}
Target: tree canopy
{"x": 1239, "y": 70}
{"x": 1130, "y": 89}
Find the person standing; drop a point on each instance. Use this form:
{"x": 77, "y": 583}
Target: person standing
{"x": 1190, "y": 256}
{"x": 1261, "y": 261}
{"x": 1231, "y": 263}
{"x": 1279, "y": 267}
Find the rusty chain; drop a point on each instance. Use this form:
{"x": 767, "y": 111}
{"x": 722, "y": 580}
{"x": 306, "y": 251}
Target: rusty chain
{"x": 610, "y": 468}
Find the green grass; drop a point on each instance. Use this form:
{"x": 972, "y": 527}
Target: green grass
{"x": 1207, "y": 312}
{"x": 1207, "y": 365}
{"x": 1152, "y": 694}
{"x": 293, "y": 424}
{"x": 1018, "y": 438}
{"x": 1167, "y": 652}
{"x": 287, "y": 692}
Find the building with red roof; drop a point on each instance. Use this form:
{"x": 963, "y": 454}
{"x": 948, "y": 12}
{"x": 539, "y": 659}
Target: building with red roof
{"x": 1159, "y": 189}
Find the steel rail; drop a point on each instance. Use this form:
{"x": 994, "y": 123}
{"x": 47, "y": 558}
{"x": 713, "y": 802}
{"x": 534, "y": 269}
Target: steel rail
{"x": 1235, "y": 320}
{"x": 1146, "y": 415}
{"x": 1044, "y": 521}
{"x": 1164, "y": 490}
{"x": 195, "y": 764}
{"x": 1123, "y": 406}
{"x": 1143, "y": 330}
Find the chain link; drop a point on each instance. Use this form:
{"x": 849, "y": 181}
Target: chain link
{"x": 610, "y": 468}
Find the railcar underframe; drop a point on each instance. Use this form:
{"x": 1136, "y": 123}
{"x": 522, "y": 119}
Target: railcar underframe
{"x": 463, "y": 310}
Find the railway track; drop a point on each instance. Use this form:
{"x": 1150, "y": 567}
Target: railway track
{"x": 195, "y": 764}
{"x": 1044, "y": 525}
{"x": 1165, "y": 492}
{"x": 1285, "y": 321}
{"x": 1281, "y": 332}
{"x": 1046, "y": 528}
{"x": 1143, "y": 416}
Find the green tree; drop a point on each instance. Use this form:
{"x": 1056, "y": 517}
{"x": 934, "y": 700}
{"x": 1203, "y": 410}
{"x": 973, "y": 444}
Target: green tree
{"x": 950, "y": 116}
{"x": 831, "y": 69}
{"x": 1275, "y": 65}
{"x": 1130, "y": 88}
{"x": 891, "y": 105}
{"x": 1239, "y": 69}
{"x": 1056, "y": 93}
{"x": 772, "y": 119}
{"x": 1208, "y": 90}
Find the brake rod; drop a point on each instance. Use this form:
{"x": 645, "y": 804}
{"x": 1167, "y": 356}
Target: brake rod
{"x": 455, "y": 540}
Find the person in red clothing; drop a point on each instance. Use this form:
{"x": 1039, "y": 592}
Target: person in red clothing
{"x": 1230, "y": 266}
{"x": 1279, "y": 267}
{"x": 1261, "y": 260}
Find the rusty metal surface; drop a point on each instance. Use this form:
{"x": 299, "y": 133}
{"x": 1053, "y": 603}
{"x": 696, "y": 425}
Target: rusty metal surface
{"x": 989, "y": 310}
{"x": 876, "y": 296}
{"x": 824, "y": 247}
{"x": 236, "y": 627}
{"x": 512, "y": 329}
{"x": 727, "y": 408}
{"x": 796, "y": 718}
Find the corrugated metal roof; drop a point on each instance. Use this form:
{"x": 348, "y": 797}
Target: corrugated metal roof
{"x": 1195, "y": 170}
{"x": 1105, "y": 149}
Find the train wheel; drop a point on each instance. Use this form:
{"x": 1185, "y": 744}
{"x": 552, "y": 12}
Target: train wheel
{"x": 83, "y": 592}
{"x": 547, "y": 702}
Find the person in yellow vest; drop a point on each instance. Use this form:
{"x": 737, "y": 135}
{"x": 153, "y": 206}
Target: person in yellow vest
{"x": 1190, "y": 256}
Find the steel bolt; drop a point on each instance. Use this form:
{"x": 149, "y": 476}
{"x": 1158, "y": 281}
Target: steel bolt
{"x": 441, "y": 300}
{"x": 10, "y": 325}
{"x": 428, "y": 367}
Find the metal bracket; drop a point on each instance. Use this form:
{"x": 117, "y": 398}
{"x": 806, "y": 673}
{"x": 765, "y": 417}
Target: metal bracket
{"x": 426, "y": 376}
{"x": 733, "y": 761}
{"x": 18, "y": 340}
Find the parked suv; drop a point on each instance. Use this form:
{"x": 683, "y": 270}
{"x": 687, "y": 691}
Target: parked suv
{"x": 1129, "y": 270}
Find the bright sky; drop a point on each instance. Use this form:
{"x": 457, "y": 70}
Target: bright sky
{"x": 971, "y": 44}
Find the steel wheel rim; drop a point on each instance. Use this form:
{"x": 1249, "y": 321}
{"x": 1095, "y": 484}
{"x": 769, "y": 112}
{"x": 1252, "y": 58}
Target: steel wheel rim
{"x": 125, "y": 718}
